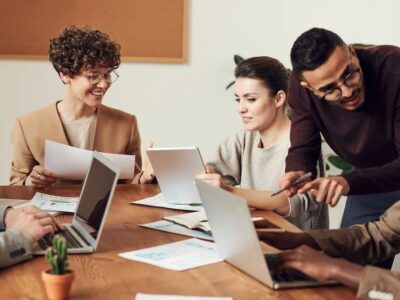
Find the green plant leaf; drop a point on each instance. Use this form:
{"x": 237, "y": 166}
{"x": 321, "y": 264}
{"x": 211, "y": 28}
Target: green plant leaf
{"x": 57, "y": 255}
{"x": 229, "y": 85}
{"x": 361, "y": 45}
{"x": 238, "y": 59}
{"x": 339, "y": 163}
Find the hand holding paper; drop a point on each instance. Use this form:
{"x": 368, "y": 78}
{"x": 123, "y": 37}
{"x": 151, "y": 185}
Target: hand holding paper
{"x": 75, "y": 161}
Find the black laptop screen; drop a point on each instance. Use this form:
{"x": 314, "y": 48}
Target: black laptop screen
{"x": 94, "y": 198}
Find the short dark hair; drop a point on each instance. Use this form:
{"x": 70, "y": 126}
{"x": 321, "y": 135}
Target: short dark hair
{"x": 77, "y": 48}
{"x": 270, "y": 71}
{"x": 313, "y": 48}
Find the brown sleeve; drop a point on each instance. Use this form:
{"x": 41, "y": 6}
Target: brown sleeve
{"x": 305, "y": 138}
{"x": 23, "y": 160}
{"x": 378, "y": 283}
{"x": 368, "y": 243}
{"x": 134, "y": 148}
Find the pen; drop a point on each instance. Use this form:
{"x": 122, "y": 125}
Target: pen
{"x": 297, "y": 181}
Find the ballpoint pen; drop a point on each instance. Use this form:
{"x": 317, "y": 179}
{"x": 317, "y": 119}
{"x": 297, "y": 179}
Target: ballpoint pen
{"x": 297, "y": 181}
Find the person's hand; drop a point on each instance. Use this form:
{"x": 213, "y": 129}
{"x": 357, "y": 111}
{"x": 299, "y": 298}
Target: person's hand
{"x": 212, "y": 178}
{"x": 148, "y": 171}
{"x": 311, "y": 262}
{"x": 33, "y": 222}
{"x": 327, "y": 189}
{"x": 287, "y": 179}
{"x": 282, "y": 239}
{"x": 318, "y": 265}
{"x": 40, "y": 177}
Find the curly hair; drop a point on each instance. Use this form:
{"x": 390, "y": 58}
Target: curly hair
{"x": 78, "y": 48}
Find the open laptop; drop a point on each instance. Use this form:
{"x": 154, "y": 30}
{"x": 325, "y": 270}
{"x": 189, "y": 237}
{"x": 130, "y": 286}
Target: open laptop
{"x": 83, "y": 234}
{"x": 237, "y": 241}
{"x": 176, "y": 169}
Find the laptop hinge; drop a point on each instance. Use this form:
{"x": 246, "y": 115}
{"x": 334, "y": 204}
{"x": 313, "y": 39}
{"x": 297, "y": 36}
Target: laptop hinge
{"x": 75, "y": 233}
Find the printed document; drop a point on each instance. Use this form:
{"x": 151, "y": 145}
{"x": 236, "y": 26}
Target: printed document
{"x": 140, "y": 296}
{"x": 159, "y": 201}
{"x": 178, "y": 256}
{"x": 72, "y": 163}
{"x": 55, "y": 203}
{"x": 178, "y": 229}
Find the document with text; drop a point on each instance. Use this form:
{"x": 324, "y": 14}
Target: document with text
{"x": 172, "y": 227}
{"x": 55, "y": 203}
{"x": 178, "y": 256}
{"x": 159, "y": 201}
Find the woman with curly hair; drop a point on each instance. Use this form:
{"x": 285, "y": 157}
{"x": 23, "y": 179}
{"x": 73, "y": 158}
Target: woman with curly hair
{"x": 85, "y": 61}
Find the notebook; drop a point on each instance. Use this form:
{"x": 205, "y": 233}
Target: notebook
{"x": 237, "y": 241}
{"x": 176, "y": 169}
{"x": 83, "y": 234}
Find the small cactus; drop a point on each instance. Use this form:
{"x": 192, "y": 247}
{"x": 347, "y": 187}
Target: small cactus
{"x": 57, "y": 255}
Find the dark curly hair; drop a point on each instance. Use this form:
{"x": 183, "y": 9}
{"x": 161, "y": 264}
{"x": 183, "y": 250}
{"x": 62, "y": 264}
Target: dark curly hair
{"x": 77, "y": 48}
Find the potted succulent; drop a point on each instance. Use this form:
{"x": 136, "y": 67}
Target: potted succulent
{"x": 58, "y": 279}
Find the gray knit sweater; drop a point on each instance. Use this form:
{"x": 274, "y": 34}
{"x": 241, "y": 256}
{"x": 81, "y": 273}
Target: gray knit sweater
{"x": 241, "y": 161}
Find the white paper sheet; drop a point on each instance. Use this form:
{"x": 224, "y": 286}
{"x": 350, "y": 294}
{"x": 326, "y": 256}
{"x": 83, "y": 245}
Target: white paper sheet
{"x": 55, "y": 203}
{"x": 72, "y": 163}
{"x": 159, "y": 201}
{"x": 140, "y": 296}
{"x": 178, "y": 229}
{"x": 177, "y": 256}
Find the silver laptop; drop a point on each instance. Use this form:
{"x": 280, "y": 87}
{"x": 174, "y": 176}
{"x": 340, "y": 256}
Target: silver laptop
{"x": 83, "y": 234}
{"x": 237, "y": 241}
{"x": 176, "y": 169}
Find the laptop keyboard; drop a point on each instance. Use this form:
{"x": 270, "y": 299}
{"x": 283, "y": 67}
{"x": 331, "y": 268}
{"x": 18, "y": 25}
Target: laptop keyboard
{"x": 46, "y": 241}
{"x": 286, "y": 275}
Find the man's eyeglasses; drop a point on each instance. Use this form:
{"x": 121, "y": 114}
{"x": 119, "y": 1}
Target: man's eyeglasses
{"x": 352, "y": 79}
{"x": 109, "y": 78}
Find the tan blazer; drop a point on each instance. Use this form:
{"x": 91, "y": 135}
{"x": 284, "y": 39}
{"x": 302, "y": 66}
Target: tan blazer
{"x": 368, "y": 243}
{"x": 116, "y": 132}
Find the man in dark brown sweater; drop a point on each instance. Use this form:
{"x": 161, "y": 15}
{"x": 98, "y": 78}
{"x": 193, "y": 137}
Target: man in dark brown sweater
{"x": 335, "y": 254}
{"x": 352, "y": 97}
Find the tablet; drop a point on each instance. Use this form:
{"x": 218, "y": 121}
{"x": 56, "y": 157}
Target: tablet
{"x": 176, "y": 169}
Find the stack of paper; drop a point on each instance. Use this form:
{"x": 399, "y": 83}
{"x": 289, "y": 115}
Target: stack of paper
{"x": 159, "y": 201}
{"x": 172, "y": 227}
{"x": 195, "y": 220}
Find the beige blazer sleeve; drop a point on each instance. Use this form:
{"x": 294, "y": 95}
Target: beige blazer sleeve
{"x": 118, "y": 132}
{"x": 23, "y": 161}
{"x": 378, "y": 283}
{"x": 368, "y": 243}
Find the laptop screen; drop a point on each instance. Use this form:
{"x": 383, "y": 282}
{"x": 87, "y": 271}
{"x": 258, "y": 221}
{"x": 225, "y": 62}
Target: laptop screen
{"x": 94, "y": 197}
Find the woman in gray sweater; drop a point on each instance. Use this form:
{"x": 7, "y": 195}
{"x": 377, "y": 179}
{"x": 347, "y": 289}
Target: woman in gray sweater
{"x": 250, "y": 162}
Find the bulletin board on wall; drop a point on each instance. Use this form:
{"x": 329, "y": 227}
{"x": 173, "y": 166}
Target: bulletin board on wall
{"x": 147, "y": 30}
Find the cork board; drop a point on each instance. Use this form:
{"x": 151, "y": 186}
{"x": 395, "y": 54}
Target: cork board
{"x": 148, "y": 30}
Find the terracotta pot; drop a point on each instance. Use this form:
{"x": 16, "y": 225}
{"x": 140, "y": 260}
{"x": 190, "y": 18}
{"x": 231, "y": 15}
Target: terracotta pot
{"x": 57, "y": 286}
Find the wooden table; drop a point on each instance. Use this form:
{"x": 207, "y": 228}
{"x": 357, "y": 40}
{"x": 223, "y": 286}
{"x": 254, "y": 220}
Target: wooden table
{"x": 105, "y": 275}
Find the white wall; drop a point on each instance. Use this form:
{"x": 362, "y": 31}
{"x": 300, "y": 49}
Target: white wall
{"x": 186, "y": 104}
